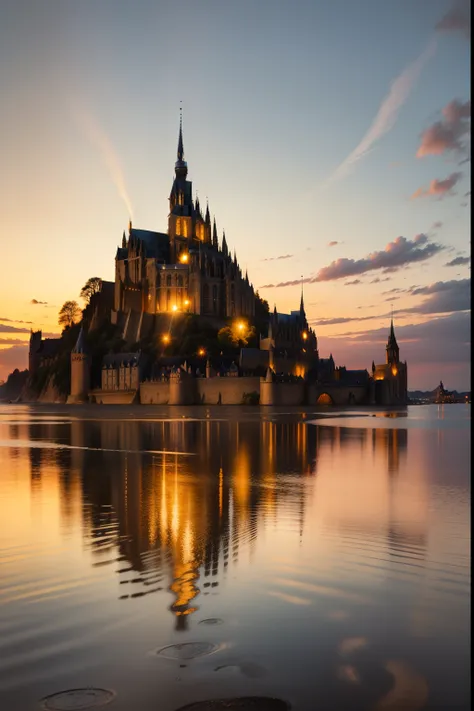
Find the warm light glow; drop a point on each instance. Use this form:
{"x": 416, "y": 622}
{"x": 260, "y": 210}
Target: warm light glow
{"x": 305, "y": 335}
{"x": 175, "y": 308}
{"x": 240, "y": 326}
{"x": 394, "y": 370}
{"x": 184, "y": 258}
{"x": 186, "y": 302}
{"x": 165, "y": 338}
{"x": 201, "y": 352}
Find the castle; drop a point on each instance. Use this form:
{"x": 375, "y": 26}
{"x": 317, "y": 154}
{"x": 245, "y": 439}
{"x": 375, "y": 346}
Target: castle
{"x": 160, "y": 277}
{"x": 188, "y": 269}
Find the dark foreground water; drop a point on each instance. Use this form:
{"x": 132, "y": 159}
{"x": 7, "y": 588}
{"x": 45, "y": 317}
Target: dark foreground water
{"x": 323, "y": 562}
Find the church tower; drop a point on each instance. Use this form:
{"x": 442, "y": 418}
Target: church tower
{"x": 80, "y": 371}
{"x": 393, "y": 351}
{"x": 180, "y": 219}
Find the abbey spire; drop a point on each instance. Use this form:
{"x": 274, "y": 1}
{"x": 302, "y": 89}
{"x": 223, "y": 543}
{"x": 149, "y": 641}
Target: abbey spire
{"x": 180, "y": 167}
{"x": 393, "y": 351}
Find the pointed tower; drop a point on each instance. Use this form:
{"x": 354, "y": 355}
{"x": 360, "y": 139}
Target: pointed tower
{"x": 215, "y": 241}
{"x": 225, "y": 250}
{"x": 180, "y": 167}
{"x": 392, "y": 349}
{"x": 80, "y": 371}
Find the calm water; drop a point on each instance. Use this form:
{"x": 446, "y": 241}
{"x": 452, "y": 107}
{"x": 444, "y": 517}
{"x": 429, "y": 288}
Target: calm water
{"x": 324, "y": 562}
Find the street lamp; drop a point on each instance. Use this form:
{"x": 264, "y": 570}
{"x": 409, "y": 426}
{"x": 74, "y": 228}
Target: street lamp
{"x": 165, "y": 338}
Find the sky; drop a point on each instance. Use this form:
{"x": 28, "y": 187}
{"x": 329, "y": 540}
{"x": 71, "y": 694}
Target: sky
{"x": 332, "y": 141}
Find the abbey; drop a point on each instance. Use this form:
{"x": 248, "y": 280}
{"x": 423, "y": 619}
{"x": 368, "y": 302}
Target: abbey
{"x": 188, "y": 269}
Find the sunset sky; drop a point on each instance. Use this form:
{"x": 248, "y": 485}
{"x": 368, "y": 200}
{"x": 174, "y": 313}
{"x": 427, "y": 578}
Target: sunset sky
{"x": 331, "y": 138}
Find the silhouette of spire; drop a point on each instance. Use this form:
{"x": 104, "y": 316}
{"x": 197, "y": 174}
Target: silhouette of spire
{"x": 225, "y": 250}
{"x": 215, "y": 241}
{"x": 302, "y": 312}
{"x": 180, "y": 137}
{"x": 180, "y": 167}
{"x": 208, "y": 215}
{"x": 124, "y": 240}
{"x": 80, "y": 343}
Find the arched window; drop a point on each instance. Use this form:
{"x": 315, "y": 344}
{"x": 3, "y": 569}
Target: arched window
{"x": 178, "y": 226}
{"x": 168, "y": 280}
{"x": 180, "y": 280}
{"x": 185, "y": 228}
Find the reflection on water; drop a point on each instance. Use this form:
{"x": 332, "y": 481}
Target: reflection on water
{"x": 334, "y": 558}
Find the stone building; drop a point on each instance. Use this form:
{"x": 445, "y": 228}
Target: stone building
{"x": 390, "y": 378}
{"x": 186, "y": 269}
{"x": 42, "y": 351}
{"x": 122, "y": 371}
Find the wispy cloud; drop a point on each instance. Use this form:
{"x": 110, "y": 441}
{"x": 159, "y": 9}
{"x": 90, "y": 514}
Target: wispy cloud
{"x": 276, "y": 259}
{"x": 457, "y": 19}
{"x": 438, "y": 188}
{"x": 458, "y": 262}
{"x": 4, "y": 319}
{"x": 400, "y": 253}
{"x": 333, "y": 243}
{"x": 448, "y": 134}
{"x": 388, "y": 112}
{"x": 35, "y": 302}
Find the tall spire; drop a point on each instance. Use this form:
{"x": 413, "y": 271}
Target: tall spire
{"x": 180, "y": 167}
{"x": 225, "y": 250}
{"x": 215, "y": 241}
{"x": 180, "y": 137}
{"x": 302, "y": 311}
{"x": 208, "y": 215}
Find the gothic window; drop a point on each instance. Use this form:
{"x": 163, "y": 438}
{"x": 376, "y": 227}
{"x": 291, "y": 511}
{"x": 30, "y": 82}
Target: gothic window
{"x": 168, "y": 280}
{"x": 178, "y": 226}
{"x": 185, "y": 228}
{"x": 207, "y": 299}
{"x": 214, "y": 299}
{"x": 180, "y": 280}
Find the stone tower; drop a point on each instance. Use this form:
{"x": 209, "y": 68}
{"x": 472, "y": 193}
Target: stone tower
{"x": 80, "y": 371}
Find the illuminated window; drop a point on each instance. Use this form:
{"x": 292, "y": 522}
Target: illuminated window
{"x": 178, "y": 226}
{"x": 185, "y": 228}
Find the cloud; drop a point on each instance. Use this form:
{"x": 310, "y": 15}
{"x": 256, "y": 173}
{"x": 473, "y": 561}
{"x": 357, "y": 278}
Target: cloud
{"x": 443, "y": 297}
{"x": 439, "y": 188}
{"x": 35, "y": 301}
{"x": 378, "y": 280}
{"x": 458, "y": 262}
{"x": 341, "y": 319}
{"x": 353, "y": 283}
{"x": 457, "y": 19}
{"x": 11, "y": 342}
{"x": 400, "y": 253}
{"x": 449, "y": 133}
{"x": 396, "y": 254}
{"x": 5, "y": 328}
{"x": 282, "y": 256}
{"x": 12, "y": 320}
{"x": 387, "y": 114}
{"x": 333, "y": 243}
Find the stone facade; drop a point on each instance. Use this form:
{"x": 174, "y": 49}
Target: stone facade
{"x": 80, "y": 372}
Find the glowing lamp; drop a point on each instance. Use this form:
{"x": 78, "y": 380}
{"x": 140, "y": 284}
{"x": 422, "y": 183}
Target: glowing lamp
{"x": 305, "y": 336}
{"x": 201, "y": 352}
{"x": 240, "y": 326}
{"x": 186, "y": 302}
{"x": 184, "y": 258}
{"x": 174, "y": 307}
{"x": 165, "y": 338}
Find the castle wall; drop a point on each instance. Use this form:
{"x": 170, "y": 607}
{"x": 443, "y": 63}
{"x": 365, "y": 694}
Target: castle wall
{"x": 340, "y": 395}
{"x": 154, "y": 393}
{"x": 225, "y": 391}
{"x": 288, "y": 394}
{"x": 116, "y": 397}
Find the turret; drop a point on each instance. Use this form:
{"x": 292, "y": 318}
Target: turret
{"x": 180, "y": 167}
{"x": 225, "y": 250}
{"x": 80, "y": 371}
{"x": 215, "y": 241}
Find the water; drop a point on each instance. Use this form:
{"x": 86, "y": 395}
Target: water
{"x": 172, "y": 556}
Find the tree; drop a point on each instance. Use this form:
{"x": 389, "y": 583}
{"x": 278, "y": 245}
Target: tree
{"x": 91, "y": 287}
{"x": 69, "y": 314}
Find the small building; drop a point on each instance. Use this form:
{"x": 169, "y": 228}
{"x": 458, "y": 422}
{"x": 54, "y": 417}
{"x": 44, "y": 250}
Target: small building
{"x": 122, "y": 371}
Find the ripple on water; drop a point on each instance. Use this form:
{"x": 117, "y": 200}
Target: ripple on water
{"x": 77, "y": 699}
{"x": 187, "y": 650}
